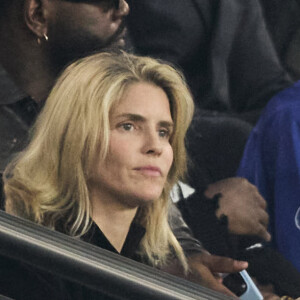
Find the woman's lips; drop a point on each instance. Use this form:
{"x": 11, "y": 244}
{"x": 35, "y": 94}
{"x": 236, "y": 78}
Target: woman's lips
{"x": 149, "y": 171}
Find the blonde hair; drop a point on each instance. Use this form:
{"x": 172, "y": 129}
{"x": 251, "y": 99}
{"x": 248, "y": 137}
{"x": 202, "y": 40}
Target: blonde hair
{"x": 47, "y": 183}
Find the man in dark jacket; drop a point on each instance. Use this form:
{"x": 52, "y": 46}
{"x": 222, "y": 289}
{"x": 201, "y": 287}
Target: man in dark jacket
{"x": 223, "y": 48}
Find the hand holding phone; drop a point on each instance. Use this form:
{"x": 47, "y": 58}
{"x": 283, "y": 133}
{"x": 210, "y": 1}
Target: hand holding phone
{"x": 243, "y": 286}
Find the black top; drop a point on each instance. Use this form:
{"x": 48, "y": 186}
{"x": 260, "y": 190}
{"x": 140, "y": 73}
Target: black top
{"x": 21, "y": 281}
{"x": 136, "y": 232}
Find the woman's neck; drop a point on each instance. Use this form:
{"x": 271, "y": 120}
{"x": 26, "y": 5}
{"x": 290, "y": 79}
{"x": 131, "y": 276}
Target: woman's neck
{"x": 114, "y": 220}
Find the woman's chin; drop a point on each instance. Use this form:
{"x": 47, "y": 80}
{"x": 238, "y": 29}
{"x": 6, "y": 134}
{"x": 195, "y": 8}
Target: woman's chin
{"x": 146, "y": 197}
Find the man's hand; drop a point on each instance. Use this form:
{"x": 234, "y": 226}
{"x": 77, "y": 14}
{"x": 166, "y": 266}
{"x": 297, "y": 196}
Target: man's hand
{"x": 205, "y": 269}
{"x": 243, "y": 205}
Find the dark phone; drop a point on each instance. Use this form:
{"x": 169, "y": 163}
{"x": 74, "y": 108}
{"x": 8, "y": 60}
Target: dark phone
{"x": 235, "y": 283}
{"x": 243, "y": 286}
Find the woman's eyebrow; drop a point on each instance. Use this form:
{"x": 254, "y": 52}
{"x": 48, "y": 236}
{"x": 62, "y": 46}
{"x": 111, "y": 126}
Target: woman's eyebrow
{"x": 140, "y": 118}
{"x": 167, "y": 124}
{"x": 131, "y": 117}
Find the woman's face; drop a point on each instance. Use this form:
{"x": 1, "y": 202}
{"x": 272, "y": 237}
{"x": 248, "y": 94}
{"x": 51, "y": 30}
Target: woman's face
{"x": 140, "y": 155}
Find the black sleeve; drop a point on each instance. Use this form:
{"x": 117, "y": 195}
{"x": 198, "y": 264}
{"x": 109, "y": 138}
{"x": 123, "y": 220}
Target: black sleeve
{"x": 183, "y": 233}
{"x": 199, "y": 213}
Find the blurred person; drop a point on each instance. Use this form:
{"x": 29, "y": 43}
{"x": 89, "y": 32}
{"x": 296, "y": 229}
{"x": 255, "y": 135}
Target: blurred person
{"x": 283, "y": 24}
{"x": 223, "y": 48}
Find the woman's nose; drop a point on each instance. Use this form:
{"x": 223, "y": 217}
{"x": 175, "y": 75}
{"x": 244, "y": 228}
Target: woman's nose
{"x": 152, "y": 144}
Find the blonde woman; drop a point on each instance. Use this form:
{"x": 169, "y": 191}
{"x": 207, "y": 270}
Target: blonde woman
{"x": 105, "y": 152}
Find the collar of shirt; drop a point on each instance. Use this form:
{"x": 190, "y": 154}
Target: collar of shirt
{"x": 131, "y": 245}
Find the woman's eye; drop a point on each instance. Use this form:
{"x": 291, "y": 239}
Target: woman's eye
{"x": 164, "y": 133}
{"x": 127, "y": 126}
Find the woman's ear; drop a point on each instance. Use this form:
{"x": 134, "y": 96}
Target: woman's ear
{"x": 35, "y": 17}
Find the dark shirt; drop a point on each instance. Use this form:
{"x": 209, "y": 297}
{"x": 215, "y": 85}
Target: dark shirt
{"x": 21, "y": 281}
{"x": 136, "y": 232}
{"x": 223, "y": 48}
{"x": 17, "y": 113}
